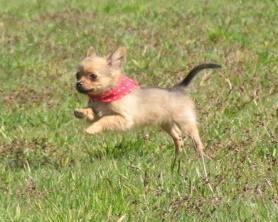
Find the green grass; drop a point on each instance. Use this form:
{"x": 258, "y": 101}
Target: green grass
{"x": 50, "y": 170}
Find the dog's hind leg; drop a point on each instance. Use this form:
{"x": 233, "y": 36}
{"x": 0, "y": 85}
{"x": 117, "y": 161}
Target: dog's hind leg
{"x": 174, "y": 131}
{"x": 193, "y": 132}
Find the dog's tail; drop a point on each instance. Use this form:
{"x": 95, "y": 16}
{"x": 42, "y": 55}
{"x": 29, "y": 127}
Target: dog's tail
{"x": 194, "y": 71}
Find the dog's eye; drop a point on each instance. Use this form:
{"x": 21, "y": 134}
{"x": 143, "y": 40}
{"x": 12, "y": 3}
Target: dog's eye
{"x": 78, "y": 76}
{"x": 93, "y": 77}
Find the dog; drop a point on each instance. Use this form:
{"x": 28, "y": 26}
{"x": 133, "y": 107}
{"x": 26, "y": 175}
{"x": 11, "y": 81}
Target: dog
{"x": 117, "y": 102}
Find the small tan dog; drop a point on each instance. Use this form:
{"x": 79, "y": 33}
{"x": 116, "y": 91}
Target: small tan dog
{"x": 118, "y": 103}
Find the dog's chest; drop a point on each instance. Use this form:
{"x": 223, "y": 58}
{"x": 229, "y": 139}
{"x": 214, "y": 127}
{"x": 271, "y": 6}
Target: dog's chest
{"x": 101, "y": 109}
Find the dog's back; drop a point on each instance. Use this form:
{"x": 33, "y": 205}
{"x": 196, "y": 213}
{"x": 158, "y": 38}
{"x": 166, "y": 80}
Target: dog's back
{"x": 155, "y": 106}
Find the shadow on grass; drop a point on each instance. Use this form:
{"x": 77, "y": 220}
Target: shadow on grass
{"x": 119, "y": 150}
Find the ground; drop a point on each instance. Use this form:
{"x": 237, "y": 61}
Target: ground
{"x": 50, "y": 170}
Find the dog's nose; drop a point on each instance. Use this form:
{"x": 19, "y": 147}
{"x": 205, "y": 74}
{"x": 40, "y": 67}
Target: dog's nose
{"x": 79, "y": 85}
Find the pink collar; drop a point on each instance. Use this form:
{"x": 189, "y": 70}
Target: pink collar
{"x": 125, "y": 87}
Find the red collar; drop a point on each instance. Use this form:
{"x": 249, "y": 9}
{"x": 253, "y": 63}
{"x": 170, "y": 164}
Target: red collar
{"x": 125, "y": 87}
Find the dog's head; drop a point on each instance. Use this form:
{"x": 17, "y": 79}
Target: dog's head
{"x": 97, "y": 75}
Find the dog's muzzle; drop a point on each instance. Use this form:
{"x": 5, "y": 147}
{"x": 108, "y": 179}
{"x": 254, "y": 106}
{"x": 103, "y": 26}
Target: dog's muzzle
{"x": 79, "y": 87}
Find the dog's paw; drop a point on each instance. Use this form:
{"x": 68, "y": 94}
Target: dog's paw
{"x": 91, "y": 131}
{"x": 79, "y": 113}
{"x": 202, "y": 154}
{"x": 85, "y": 114}
{"x": 94, "y": 129}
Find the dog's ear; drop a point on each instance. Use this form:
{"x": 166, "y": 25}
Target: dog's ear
{"x": 114, "y": 60}
{"x": 91, "y": 52}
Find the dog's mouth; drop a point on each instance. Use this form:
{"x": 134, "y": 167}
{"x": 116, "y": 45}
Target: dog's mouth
{"x": 84, "y": 91}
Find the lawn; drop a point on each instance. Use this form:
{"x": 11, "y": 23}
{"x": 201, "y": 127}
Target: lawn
{"x": 50, "y": 170}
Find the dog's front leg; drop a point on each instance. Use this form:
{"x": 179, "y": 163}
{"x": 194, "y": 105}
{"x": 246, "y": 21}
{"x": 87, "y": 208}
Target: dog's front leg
{"x": 115, "y": 122}
{"x": 86, "y": 114}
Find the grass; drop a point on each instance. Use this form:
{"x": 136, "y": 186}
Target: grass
{"x": 50, "y": 170}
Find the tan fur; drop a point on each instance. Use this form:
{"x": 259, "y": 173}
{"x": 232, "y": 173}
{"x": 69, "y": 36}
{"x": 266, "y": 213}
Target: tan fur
{"x": 171, "y": 108}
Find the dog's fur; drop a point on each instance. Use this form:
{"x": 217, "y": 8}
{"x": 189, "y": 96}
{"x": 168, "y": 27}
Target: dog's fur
{"x": 169, "y": 108}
